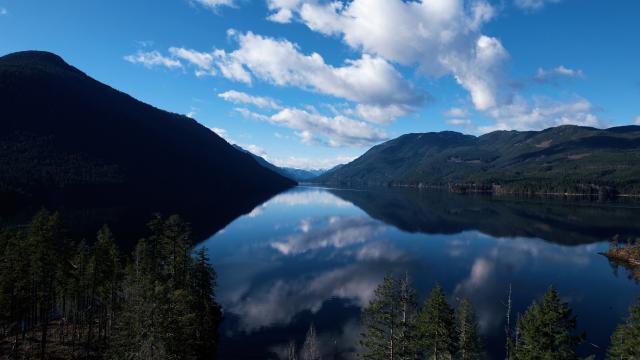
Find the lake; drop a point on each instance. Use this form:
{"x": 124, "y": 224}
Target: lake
{"x": 315, "y": 255}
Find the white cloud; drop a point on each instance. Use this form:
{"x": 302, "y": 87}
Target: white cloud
{"x": 637, "y": 120}
{"x": 255, "y": 149}
{"x": 221, "y": 132}
{"x": 312, "y": 127}
{"x": 335, "y": 131}
{"x": 458, "y": 121}
{"x": 542, "y": 113}
{"x": 215, "y": 4}
{"x": 153, "y": 58}
{"x": 202, "y": 61}
{"x": 546, "y": 75}
{"x": 311, "y": 163}
{"x": 370, "y": 80}
{"x": 238, "y": 97}
{"x": 456, "y": 112}
{"x": 532, "y": 5}
{"x": 440, "y": 37}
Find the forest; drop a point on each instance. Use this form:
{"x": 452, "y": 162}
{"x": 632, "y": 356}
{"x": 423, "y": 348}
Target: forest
{"x": 62, "y": 299}
{"x": 396, "y": 327}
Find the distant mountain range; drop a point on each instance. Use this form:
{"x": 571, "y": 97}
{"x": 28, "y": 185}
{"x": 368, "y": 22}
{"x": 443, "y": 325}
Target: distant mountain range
{"x": 564, "y": 159}
{"x": 298, "y": 175}
{"x": 68, "y": 141}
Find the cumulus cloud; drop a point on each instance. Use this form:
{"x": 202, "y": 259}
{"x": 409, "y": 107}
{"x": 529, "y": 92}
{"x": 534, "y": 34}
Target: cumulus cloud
{"x": 532, "y": 5}
{"x": 369, "y": 80}
{"x": 440, "y": 37}
{"x": 238, "y": 97}
{"x": 637, "y": 120}
{"x": 541, "y": 113}
{"x": 152, "y": 59}
{"x": 312, "y": 127}
{"x": 202, "y": 61}
{"x": 549, "y": 75}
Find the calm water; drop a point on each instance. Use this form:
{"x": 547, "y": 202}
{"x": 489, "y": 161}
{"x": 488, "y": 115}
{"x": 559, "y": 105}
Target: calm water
{"x": 316, "y": 255}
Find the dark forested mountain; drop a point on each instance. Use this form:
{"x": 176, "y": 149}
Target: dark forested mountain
{"x": 299, "y": 175}
{"x": 560, "y": 159}
{"x": 69, "y": 141}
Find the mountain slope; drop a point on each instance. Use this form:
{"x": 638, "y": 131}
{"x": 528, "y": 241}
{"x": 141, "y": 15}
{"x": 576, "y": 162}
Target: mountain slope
{"x": 67, "y": 140}
{"x": 291, "y": 173}
{"x": 561, "y": 159}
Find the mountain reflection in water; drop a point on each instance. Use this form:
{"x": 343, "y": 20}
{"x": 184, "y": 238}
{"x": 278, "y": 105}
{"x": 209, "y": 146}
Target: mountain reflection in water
{"x": 316, "y": 255}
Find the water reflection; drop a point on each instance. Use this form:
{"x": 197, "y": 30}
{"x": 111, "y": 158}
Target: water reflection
{"x": 310, "y": 255}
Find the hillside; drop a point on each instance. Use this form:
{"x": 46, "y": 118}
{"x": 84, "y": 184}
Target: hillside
{"x": 562, "y": 159}
{"x": 298, "y": 175}
{"x": 70, "y": 142}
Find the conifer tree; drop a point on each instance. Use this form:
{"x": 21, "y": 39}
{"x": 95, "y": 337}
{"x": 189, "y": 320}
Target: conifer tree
{"x": 468, "y": 345}
{"x": 408, "y": 314}
{"x": 546, "y": 330}
{"x": 310, "y": 348}
{"x": 435, "y": 326}
{"x": 625, "y": 341}
{"x": 380, "y": 323}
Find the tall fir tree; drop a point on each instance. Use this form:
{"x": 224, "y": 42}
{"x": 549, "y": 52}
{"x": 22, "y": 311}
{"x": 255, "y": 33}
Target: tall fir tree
{"x": 545, "y": 331}
{"x": 625, "y": 341}
{"x": 380, "y": 323}
{"x": 435, "y": 326}
{"x": 468, "y": 345}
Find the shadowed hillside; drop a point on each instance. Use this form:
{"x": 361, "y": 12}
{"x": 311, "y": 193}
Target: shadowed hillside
{"x": 70, "y": 142}
{"x": 563, "y": 159}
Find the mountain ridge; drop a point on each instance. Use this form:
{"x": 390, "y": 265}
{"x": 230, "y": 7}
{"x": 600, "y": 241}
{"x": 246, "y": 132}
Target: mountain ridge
{"x": 69, "y": 141}
{"x": 565, "y": 159}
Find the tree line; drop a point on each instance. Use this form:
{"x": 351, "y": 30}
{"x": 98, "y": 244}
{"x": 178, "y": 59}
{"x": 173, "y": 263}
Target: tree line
{"x": 396, "y": 328}
{"x": 61, "y": 298}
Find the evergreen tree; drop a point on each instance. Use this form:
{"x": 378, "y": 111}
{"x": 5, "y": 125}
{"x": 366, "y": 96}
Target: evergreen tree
{"x": 408, "y": 309}
{"x": 546, "y": 330}
{"x": 466, "y": 327}
{"x": 435, "y": 326}
{"x": 310, "y": 348}
{"x": 380, "y": 323}
{"x": 625, "y": 341}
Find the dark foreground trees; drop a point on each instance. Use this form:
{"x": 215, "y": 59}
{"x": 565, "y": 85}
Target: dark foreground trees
{"x": 625, "y": 341}
{"x": 79, "y": 300}
{"x": 394, "y": 327}
{"x": 546, "y": 330}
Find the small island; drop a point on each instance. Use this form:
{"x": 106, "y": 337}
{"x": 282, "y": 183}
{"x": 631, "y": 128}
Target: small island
{"x": 626, "y": 254}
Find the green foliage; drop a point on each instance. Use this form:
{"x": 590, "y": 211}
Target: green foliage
{"x": 466, "y": 332}
{"x": 389, "y": 322}
{"x": 564, "y": 159}
{"x": 545, "y": 331}
{"x": 436, "y": 326}
{"x": 161, "y": 306}
{"x": 625, "y": 341}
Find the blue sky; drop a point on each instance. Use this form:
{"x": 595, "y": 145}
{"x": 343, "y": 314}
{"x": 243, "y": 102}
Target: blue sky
{"x": 313, "y": 83}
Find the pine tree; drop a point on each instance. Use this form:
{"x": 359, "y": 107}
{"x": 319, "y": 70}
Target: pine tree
{"x": 435, "y": 326}
{"x": 546, "y": 330}
{"x": 625, "y": 341}
{"x": 380, "y": 323}
{"x": 466, "y": 327}
{"x": 310, "y": 348}
{"x": 408, "y": 309}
